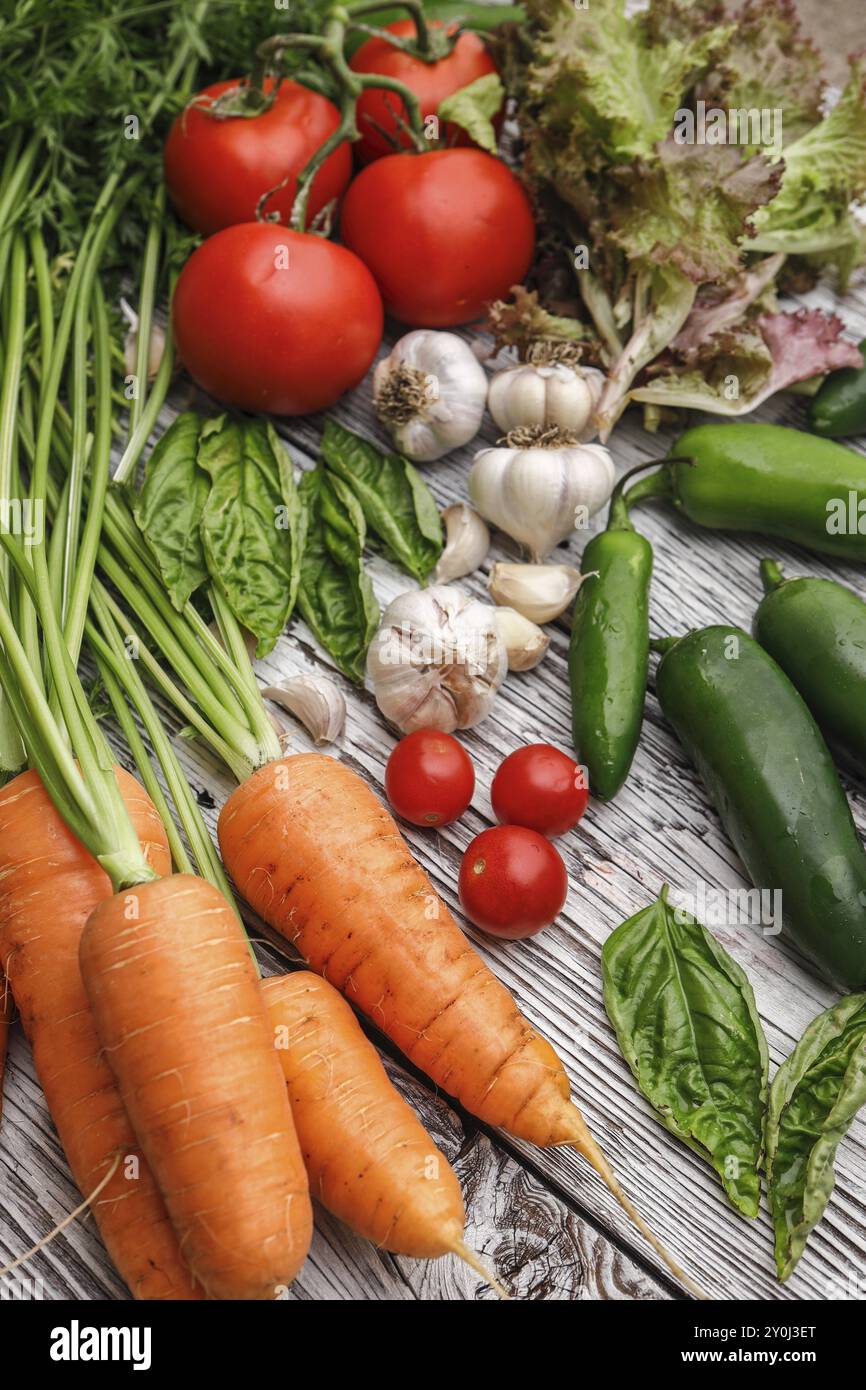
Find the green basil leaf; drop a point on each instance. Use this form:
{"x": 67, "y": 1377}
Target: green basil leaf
{"x": 396, "y": 501}
{"x": 814, "y": 1097}
{"x": 169, "y": 508}
{"x": 335, "y": 597}
{"x": 473, "y": 108}
{"x": 685, "y": 1018}
{"x": 251, "y": 523}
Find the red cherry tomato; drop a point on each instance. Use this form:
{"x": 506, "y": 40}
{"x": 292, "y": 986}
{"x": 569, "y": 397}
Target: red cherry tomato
{"x": 272, "y": 320}
{"x": 429, "y": 778}
{"x": 512, "y": 882}
{"x": 217, "y": 169}
{"x": 444, "y": 233}
{"x": 381, "y": 112}
{"x": 540, "y": 787}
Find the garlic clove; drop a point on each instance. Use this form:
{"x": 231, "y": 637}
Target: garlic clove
{"x": 315, "y": 701}
{"x": 467, "y": 541}
{"x": 155, "y": 348}
{"x": 524, "y": 640}
{"x": 539, "y": 592}
{"x": 543, "y": 394}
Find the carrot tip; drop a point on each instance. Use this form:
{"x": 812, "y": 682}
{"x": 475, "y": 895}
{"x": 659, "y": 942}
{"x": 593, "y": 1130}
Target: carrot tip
{"x": 589, "y": 1150}
{"x": 470, "y": 1258}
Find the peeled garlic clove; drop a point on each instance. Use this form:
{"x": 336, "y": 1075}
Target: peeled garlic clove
{"x": 524, "y": 640}
{"x": 539, "y": 592}
{"x": 315, "y": 702}
{"x": 467, "y": 541}
{"x": 430, "y": 394}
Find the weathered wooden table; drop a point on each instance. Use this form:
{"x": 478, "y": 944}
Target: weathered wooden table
{"x": 542, "y": 1219}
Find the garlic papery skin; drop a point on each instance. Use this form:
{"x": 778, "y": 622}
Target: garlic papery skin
{"x": 467, "y": 541}
{"x": 557, "y": 394}
{"x": 155, "y": 348}
{"x": 539, "y": 592}
{"x": 540, "y": 493}
{"x": 524, "y": 641}
{"x": 315, "y": 701}
{"x": 430, "y": 394}
{"x": 437, "y": 661}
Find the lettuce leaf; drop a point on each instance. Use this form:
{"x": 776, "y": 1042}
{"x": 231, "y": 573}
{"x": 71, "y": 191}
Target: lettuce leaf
{"x": 474, "y": 107}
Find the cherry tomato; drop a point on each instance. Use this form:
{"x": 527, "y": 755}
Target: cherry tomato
{"x": 443, "y": 233}
{"x": 272, "y": 320}
{"x": 512, "y": 882}
{"x": 429, "y": 778}
{"x": 217, "y": 168}
{"x": 381, "y": 112}
{"x": 540, "y": 787}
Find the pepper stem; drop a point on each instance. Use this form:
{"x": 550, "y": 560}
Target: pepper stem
{"x": 771, "y": 575}
{"x": 618, "y": 518}
{"x": 660, "y": 485}
{"x": 661, "y": 645}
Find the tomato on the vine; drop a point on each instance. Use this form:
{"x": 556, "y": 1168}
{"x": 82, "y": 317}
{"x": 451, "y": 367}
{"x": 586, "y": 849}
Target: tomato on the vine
{"x": 267, "y": 319}
{"x": 444, "y": 233}
{"x": 513, "y": 882}
{"x": 217, "y": 168}
{"x": 429, "y": 779}
{"x": 540, "y": 787}
{"x": 381, "y": 114}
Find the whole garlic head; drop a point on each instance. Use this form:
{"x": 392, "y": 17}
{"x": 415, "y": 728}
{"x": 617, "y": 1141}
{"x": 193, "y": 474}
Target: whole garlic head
{"x": 539, "y": 493}
{"x": 545, "y": 395}
{"x": 430, "y": 394}
{"x": 437, "y": 661}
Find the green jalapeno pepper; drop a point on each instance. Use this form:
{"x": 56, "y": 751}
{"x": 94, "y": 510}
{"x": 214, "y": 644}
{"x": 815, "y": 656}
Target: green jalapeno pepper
{"x": 816, "y": 630}
{"x": 839, "y": 408}
{"x": 771, "y": 777}
{"x": 609, "y": 652}
{"x": 768, "y": 479}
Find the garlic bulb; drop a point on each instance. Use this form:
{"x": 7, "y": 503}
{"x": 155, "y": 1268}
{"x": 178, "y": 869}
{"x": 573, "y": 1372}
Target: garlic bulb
{"x": 467, "y": 541}
{"x": 540, "y": 485}
{"x": 430, "y": 394}
{"x": 437, "y": 661}
{"x": 539, "y": 592}
{"x": 524, "y": 641}
{"x": 315, "y": 701}
{"x": 554, "y": 394}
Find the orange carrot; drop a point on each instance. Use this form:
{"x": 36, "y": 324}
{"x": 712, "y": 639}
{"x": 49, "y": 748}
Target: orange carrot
{"x": 177, "y": 1006}
{"x": 315, "y": 852}
{"x": 49, "y": 885}
{"x": 370, "y": 1161}
{"x": 7, "y": 1013}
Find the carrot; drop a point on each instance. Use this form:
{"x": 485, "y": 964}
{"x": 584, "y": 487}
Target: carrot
{"x": 177, "y": 1007}
{"x": 49, "y": 885}
{"x": 369, "y": 1159}
{"x": 7, "y": 1013}
{"x": 317, "y": 855}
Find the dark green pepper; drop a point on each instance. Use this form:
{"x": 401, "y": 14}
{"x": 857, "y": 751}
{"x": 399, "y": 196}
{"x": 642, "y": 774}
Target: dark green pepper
{"x": 771, "y": 777}
{"x": 768, "y": 479}
{"x": 609, "y": 652}
{"x": 816, "y": 630}
{"x": 839, "y": 408}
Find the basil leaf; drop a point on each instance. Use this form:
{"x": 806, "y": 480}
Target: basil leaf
{"x": 814, "y": 1097}
{"x": 396, "y": 501}
{"x": 335, "y": 597}
{"x": 250, "y": 524}
{"x": 685, "y": 1019}
{"x": 169, "y": 508}
{"x": 473, "y": 108}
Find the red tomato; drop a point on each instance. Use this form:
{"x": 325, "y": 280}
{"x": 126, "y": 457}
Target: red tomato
{"x": 217, "y": 169}
{"x": 380, "y": 112}
{"x": 271, "y": 320}
{"x": 444, "y": 233}
{"x": 429, "y": 778}
{"x": 540, "y": 787}
{"x": 512, "y": 882}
